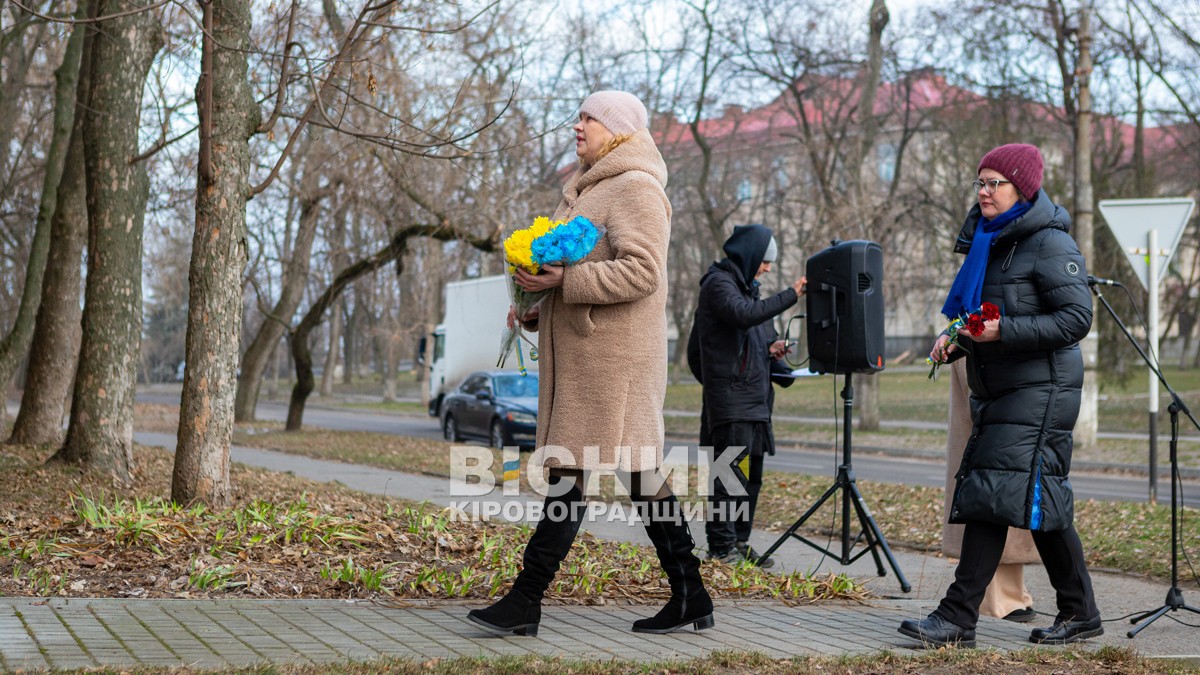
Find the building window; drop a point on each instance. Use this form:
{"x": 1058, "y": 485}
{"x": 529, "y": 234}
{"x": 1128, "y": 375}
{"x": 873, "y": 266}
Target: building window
{"x": 745, "y": 190}
{"x": 885, "y": 157}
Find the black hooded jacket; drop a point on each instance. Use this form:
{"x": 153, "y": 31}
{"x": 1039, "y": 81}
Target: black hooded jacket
{"x": 1025, "y": 387}
{"x": 730, "y": 340}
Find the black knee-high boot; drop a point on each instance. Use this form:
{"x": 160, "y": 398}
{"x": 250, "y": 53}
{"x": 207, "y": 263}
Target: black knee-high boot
{"x": 690, "y": 602}
{"x": 519, "y": 612}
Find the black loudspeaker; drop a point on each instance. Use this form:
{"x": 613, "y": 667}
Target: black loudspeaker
{"x": 845, "y": 308}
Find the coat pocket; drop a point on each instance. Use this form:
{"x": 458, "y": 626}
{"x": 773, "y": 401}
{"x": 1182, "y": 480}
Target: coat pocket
{"x": 581, "y": 319}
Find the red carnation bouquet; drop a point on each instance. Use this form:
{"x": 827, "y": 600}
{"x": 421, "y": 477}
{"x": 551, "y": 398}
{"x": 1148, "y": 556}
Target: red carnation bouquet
{"x": 972, "y": 324}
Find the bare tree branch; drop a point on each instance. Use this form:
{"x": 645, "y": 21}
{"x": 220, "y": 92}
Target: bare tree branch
{"x": 106, "y": 17}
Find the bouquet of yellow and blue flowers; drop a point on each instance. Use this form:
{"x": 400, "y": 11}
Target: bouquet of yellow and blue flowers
{"x": 546, "y": 242}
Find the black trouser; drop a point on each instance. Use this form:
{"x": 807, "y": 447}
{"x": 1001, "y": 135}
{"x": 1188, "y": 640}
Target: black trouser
{"x": 722, "y": 530}
{"x": 982, "y": 546}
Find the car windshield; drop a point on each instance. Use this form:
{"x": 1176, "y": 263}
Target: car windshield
{"x": 517, "y": 386}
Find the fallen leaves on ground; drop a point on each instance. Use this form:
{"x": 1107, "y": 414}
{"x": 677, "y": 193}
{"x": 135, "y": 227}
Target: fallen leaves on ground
{"x": 72, "y": 533}
{"x": 946, "y": 661}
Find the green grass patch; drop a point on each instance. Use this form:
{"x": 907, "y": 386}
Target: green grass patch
{"x": 394, "y": 407}
{"x": 386, "y": 451}
{"x": 819, "y": 435}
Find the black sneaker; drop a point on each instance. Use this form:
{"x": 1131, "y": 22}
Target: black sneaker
{"x": 751, "y": 555}
{"x": 729, "y": 557}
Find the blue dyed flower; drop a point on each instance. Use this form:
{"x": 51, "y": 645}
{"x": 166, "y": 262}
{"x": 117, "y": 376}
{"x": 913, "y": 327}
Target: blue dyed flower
{"x": 567, "y": 243}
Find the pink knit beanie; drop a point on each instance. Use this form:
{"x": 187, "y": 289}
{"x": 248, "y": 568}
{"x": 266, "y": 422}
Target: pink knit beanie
{"x": 1020, "y": 163}
{"x": 619, "y": 111}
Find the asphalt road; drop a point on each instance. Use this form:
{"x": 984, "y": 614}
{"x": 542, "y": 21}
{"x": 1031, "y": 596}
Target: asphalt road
{"x": 872, "y": 467}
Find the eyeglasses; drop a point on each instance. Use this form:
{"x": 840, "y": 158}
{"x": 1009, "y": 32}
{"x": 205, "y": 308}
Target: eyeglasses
{"x": 990, "y": 185}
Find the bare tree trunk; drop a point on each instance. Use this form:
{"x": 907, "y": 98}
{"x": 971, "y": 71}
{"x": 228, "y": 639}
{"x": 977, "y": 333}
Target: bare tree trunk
{"x": 331, "y": 355}
{"x": 868, "y": 401}
{"x": 877, "y": 21}
{"x": 869, "y": 414}
{"x": 273, "y": 387}
{"x": 100, "y": 433}
{"x": 15, "y": 345}
{"x": 280, "y": 359}
{"x": 351, "y": 335}
{"x": 385, "y": 336}
{"x": 266, "y": 341}
{"x": 1086, "y": 426}
{"x": 55, "y": 329}
{"x": 683, "y": 324}
{"x": 1141, "y": 177}
{"x": 228, "y": 118}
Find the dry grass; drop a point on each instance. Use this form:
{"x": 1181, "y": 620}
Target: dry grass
{"x": 1116, "y": 535}
{"x": 69, "y": 533}
{"x": 1121, "y": 536}
{"x": 1105, "y": 661}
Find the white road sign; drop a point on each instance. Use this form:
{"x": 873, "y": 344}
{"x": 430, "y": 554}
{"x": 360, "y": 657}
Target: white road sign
{"x": 1131, "y": 221}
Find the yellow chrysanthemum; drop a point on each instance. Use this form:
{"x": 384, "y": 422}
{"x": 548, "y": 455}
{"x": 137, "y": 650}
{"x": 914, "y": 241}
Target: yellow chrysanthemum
{"x": 517, "y": 245}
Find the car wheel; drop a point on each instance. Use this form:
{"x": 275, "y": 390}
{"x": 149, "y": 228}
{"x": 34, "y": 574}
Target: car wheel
{"x": 497, "y": 434}
{"x": 450, "y": 429}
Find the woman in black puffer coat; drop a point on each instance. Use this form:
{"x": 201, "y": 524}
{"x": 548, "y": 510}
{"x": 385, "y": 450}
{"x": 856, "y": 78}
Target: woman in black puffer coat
{"x": 1025, "y": 373}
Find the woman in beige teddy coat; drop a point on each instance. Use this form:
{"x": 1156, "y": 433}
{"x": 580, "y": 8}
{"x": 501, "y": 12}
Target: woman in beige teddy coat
{"x": 602, "y": 345}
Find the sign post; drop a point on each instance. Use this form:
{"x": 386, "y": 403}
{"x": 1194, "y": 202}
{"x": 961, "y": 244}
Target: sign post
{"x": 1135, "y": 222}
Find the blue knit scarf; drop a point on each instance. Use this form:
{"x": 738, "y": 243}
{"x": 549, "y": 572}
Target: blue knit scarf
{"x": 967, "y": 288}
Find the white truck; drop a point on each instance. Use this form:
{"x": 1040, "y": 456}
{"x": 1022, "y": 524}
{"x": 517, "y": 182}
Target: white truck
{"x": 468, "y": 338}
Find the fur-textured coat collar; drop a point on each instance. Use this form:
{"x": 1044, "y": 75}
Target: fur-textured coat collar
{"x": 637, "y": 154}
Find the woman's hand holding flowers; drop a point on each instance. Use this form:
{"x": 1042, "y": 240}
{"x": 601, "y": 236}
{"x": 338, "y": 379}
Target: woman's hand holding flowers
{"x": 990, "y": 332}
{"x": 942, "y": 349}
{"x": 551, "y": 276}
{"x": 529, "y": 316}
{"x": 984, "y": 326}
{"x": 981, "y": 326}
{"x": 536, "y": 257}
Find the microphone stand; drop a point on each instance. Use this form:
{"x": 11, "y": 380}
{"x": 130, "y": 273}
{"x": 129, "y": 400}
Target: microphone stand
{"x": 1174, "y": 601}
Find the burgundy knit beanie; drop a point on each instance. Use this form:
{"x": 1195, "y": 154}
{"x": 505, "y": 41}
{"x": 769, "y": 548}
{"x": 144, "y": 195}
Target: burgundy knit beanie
{"x": 619, "y": 111}
{"x": 1018, "y": 162}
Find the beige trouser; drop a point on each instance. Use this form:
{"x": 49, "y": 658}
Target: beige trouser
{"x": 1007, "y": 591}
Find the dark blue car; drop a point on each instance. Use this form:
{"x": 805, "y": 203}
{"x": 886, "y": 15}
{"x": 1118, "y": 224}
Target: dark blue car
{"x": 497, "y": 406}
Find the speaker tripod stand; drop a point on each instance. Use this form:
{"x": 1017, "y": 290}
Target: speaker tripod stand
{"x": 846, "y": 483}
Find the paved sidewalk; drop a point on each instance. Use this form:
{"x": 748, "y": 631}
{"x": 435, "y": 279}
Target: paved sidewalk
{"x": 213, "y": 633}
{"x": 929, "y": 574}
{"x": 69, "y": 633}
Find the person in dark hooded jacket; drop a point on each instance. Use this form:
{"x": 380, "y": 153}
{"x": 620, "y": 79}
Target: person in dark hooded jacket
{"x": 750, "y": 468}
{"x": 1025, "y": 373}
{"x": 731, "y": 351}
